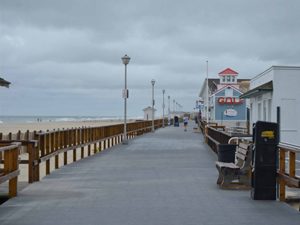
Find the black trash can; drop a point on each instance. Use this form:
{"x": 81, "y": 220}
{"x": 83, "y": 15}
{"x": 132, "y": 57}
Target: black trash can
{"x": 176, "y": 121}
{"x": 226, "y": 152}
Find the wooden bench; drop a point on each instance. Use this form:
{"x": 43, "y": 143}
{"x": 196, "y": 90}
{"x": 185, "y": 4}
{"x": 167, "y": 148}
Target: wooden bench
{"x": 241, "y": 170}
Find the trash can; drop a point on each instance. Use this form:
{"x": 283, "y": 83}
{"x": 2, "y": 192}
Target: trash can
{"x": 176, "y": 121}
{"x": 264, "y": 157}
{"x": 226, "y": 152}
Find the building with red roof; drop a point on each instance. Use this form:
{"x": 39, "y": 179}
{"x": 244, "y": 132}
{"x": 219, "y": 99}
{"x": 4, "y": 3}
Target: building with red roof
{"x": 224, "y": 102}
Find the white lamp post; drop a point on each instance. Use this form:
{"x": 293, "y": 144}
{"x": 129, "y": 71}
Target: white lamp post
{"x": 163, "y": 91}
{"x": 207, "y": 119}
{"x": 169, "y": 105}
{"x": 169, "y": 110}
{"x": 173, "y": 105}
{"x": 125, "y": 60}
{"x": 153, "y": 82}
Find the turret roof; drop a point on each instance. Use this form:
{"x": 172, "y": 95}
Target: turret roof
{"x": 228, "y": 71}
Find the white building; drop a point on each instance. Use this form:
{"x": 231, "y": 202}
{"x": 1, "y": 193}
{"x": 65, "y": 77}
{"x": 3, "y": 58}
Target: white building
{"x": 148, "y": 113}
{"x": 278, "y": 86}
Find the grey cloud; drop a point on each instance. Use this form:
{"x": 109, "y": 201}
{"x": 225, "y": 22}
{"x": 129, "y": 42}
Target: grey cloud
{"x": 69, "y": 52}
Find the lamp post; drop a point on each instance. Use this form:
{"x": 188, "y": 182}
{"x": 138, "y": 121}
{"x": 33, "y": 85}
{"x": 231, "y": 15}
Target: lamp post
{"x": 173, "y": 105}
{"x": 153, "y": 82}
{"x": 207, "y": 119}
{"x": 125, "y": 60}
{"x": 169, "y": 110}
{"x": 169, "y": 105}
{"x": 163, "y": 91}
{"x": 176, "y": 109}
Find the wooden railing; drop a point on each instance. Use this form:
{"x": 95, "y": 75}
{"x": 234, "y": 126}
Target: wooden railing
{"x": 50, "y": 144}
{"x": 216, "y": 135}
{"x": 10, "y": 169}
{"x": 203, "y": 126}
{"x": 287, "y": 178}
{"x": 33, "y": 158}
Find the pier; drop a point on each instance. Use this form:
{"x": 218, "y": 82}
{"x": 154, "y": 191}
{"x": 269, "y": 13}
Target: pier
{"x": 166, "y": 177}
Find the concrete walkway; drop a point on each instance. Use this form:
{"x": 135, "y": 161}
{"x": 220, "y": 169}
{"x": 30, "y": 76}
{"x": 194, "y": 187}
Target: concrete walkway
{"x": 166, "y": 177}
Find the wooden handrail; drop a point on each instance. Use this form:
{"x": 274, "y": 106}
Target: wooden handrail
{"x": 289, "y": 178}
{"x": 31, "y": 149}
{"x": 214, "y": 136}
{"x": 52, "y": 143}
{"x": 49, "y": 144}
{"x": 11, "y": 166}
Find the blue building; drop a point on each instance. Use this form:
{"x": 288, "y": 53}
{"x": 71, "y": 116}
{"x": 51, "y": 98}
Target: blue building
{"x": 224, "y": 102}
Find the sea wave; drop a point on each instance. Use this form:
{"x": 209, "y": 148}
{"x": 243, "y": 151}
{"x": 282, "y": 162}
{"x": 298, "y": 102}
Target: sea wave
{"x": 66, "y": 119}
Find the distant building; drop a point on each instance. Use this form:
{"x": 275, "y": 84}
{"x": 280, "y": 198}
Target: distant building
{"x": 148, "y": 113}
{"x": 224, "y": 98}
{"x": 278, "y": 86}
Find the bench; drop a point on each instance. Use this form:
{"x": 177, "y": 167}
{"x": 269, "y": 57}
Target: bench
{"x": 241, "y": 171}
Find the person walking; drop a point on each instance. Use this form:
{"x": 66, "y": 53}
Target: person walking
{"x": 185, "y": 121}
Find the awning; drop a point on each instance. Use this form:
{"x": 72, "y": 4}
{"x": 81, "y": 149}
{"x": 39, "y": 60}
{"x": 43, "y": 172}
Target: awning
{"x": 4, "y": 83}
{"x": 267, "y": 87}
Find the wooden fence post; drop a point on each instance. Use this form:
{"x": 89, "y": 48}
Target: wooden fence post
{"x": 282, "y": 170}
{"x": 56, "y": 149}
{"x": 30, "y": 162}
{"x": 82, "y": 141}
{"x": 47, "y": 152}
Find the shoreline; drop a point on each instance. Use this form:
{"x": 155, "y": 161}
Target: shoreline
{"x": 6, "y": 128}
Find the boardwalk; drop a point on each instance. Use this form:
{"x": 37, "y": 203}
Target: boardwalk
{"x": 166, "y": 177}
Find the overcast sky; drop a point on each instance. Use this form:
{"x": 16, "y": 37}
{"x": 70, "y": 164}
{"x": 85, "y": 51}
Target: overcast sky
{"x": 63, "y": 57}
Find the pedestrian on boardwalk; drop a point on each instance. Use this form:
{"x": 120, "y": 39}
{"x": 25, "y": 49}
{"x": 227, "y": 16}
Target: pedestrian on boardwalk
{"x": 185, "y": 121}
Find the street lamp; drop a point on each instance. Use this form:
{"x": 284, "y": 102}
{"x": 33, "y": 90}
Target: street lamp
{"x": 207, "y": 119}
{"x": 163, "y": 91}
{"x": 173, "y": 105}
{"x": 169, "y": 105}
{"x": 125, "y": 60}
{"x": 153, "y": 82}
{"x": 168, "y": 110}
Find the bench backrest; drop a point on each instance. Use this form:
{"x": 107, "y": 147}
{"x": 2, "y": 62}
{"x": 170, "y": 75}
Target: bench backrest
{"x": 244, "y": 154}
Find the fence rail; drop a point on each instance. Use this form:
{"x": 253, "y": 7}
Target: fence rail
{"x": 9, "y": 171}
{"x": 216, "y": 135}
{"x": 289, "y": 177}
{"x": 50, "y": 144}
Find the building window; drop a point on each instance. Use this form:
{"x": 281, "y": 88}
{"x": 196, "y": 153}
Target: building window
{"x": 233, "y": 78}
{"x": 223, "y": 79}
{"x": 241, "y": 88}
{"x": 246, "y": 89}
{"x": 228, "y": 78}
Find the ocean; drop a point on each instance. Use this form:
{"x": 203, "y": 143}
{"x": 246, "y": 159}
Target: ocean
{"x": 30, "y": 119}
